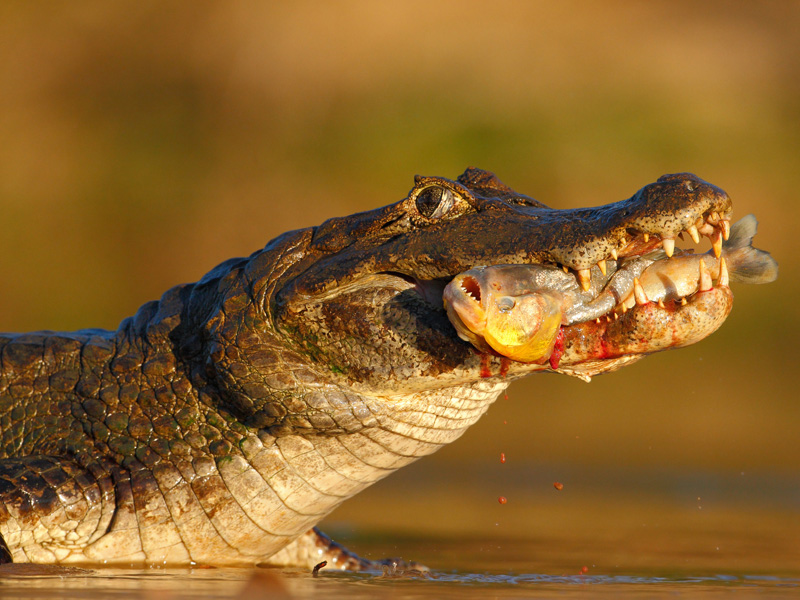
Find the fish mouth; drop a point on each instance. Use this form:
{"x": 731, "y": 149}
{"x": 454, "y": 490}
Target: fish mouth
{"x": 525, "y": 312}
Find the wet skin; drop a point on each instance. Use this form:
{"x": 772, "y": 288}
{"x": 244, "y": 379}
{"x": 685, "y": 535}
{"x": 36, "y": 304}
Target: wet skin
{"x": 221, "y": 423}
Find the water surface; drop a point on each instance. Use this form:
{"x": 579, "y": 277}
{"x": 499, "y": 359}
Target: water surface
{"x": 608, "y": 533}
{"x": 177, "y": 584}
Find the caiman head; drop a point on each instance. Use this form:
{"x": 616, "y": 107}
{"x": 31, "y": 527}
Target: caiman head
{"x": 365, "y": 301}
{"x": 359, "y": 302}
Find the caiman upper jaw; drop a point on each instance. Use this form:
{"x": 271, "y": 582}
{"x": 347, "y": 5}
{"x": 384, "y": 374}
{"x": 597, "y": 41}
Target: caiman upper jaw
{"x": 487, "y": 223}
{"x": 653, "y": 218}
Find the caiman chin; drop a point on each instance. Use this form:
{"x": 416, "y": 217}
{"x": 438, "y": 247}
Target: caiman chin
{"x": 220, "y": 423}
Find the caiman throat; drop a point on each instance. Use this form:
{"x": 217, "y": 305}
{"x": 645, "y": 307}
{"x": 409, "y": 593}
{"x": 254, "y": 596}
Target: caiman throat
{"x": 219, "y": 424}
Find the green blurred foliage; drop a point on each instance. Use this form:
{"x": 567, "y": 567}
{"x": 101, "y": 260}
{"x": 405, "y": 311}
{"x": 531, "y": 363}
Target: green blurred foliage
{"x": 141, "y": 143}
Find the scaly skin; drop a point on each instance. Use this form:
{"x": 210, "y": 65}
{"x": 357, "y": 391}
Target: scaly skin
{"x": 221, "y": 423}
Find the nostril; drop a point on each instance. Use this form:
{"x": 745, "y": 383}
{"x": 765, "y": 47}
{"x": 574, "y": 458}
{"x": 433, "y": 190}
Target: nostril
{"x": 471, "y": 286}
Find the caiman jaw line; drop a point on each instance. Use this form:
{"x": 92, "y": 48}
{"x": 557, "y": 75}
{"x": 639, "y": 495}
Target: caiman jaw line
{"x": 636, "y": 294}
{"x": 717, "y": 228}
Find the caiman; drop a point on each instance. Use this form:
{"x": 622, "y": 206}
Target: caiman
{"x": 220, "y": 423}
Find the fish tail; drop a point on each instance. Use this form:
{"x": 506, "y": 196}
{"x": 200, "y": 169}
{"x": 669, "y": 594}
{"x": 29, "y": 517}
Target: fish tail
{"x": 747, "y": 264}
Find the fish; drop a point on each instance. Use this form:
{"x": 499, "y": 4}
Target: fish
{"x": 517, "y": 311}
{"x": 680, "y": 276}
{"x": 514, "y": 310}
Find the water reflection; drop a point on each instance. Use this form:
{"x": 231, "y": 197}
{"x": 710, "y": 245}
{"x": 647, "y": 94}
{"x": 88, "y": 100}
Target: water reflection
{"x": 175, "y": 584}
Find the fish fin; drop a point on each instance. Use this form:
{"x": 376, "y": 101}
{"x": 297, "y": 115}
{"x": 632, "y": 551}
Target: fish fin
{"x": 746, "y": 263}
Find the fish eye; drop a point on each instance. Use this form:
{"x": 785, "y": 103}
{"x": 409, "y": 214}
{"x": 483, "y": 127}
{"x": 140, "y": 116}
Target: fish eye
{"x": 506, "y": 304}
{"x": 433, "y": 202}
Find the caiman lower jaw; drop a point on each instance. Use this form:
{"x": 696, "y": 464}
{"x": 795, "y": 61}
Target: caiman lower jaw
{"x": 608, "y": 343}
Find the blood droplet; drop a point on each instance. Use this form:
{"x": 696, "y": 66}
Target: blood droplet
{"x": 584, "y": 570}
{"x": 503, "y": 457}
{"x": 502, "y": 499}
{"x": 558, "y": 485}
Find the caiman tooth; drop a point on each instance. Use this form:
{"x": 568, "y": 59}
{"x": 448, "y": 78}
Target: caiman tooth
{"x": 713, "y": 217}
{"x": 684, "y": 302}
{"x": 724, "y": 279}
{"x": 638, "y": 292}
{"x": 602, "y": 266}
{"x": 716, "y": 242}
{"x": 705, "y": 278}
{"x": 669, "y": 246}
{"x": 694, "y": 233}
{"x": 725, "y": 226}
{"x": 566, "y": 268}
{"x": 585, "y": 278}
{"x": 661, "y": 303}
{"x": 614, "y": 254}
{"x": 646, "y": 237}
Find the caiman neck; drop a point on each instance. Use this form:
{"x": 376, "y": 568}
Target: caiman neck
{"x": 93, "y": 392}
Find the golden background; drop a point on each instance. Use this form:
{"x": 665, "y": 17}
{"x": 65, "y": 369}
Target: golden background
{"x": 142, "y": 143}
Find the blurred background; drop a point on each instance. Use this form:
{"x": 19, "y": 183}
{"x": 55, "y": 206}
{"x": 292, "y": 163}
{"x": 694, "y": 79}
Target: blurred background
{"x": 141, "y": 143}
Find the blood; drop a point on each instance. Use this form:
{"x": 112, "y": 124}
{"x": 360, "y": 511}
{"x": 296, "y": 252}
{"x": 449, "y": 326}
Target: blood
{"x": 604, "y": 351}
{"x": 502, "y": 499}
{"x": 558, "y": 349}
{"x": 505, "y": 365}
{"x": 503, "y": 457}
{"x": 558, "y": 485}
{"x": 584, "y": 570}
{"x": 486, "y": 361}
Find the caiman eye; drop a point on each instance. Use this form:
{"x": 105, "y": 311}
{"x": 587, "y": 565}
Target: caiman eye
{"x": 434, "y": 202}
